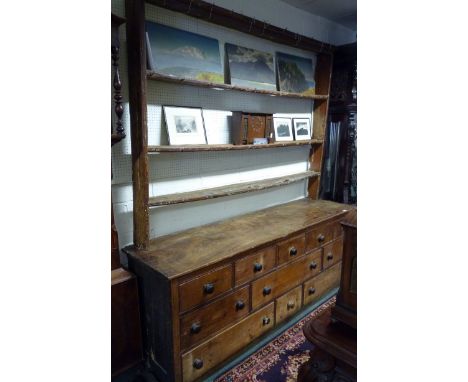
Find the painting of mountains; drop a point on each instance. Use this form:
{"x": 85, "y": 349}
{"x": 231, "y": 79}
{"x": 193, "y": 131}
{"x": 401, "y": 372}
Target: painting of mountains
{"x": 183, "y": 54}
{"x": 251, "y": 68}
{"x": 296, "y": 74}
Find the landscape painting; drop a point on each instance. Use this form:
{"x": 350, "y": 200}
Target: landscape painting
{"x": 251, "y": 68}
{"x": 296, "y": 74}
{"x": 283, "y": 129}
{"x": 184, "y": 125}
{"x": 302, "y": 129}
{"x": 183, "y": 54}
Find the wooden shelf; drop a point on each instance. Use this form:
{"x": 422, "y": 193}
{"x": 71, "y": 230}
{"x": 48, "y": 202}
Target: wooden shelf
{"x": 184, "y": 81}
{"x": 232, "y": 189}
{"x": 193, "y": 148}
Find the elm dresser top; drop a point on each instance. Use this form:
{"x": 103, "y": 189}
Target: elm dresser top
{"x": 196, "y": 248}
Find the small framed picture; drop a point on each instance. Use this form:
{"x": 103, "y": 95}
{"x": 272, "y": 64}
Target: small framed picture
{"x": 184, "y": 126}
{"x": 283, "y": 129}
{"x": 302, "y": 129}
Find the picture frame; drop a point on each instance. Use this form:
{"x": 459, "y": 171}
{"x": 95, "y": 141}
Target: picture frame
{"x": 184, "y": 125}
{"x": 183, "y": 54}
{"x": 295, "y": 74}
{"x": 250, "y": 68}
{"x": 302, "y": 130}
{"x": 283, "y": 129}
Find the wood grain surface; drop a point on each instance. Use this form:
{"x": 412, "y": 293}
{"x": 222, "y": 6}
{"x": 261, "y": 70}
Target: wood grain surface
{"x": 187, "y": 251}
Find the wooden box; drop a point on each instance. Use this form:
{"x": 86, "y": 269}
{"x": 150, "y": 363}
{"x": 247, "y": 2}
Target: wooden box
{"x": 247, "y": 126}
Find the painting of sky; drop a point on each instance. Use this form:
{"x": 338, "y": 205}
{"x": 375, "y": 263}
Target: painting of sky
{"x": 184, "y": 54}
{"x": 296, "y": 74}
{"x": 251, "y": 68}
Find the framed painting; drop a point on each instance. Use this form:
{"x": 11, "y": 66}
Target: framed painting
{"x": 184, "y": 125}
{"x": 295, "y": 74}
{"x": 283, "y": 129}
{"x": 250, "y": 68}
{"x": 183, "y": 54}
{"x": 302, "y": 129}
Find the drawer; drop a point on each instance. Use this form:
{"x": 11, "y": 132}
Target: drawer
{"x": 321, "y": 284}
{"x": 205, "y": 287}
{"x": 201, "y": 323}
{"x": 290, "y": 249}
{"x": 209, "y": 354}
{"x": 288, "y": 304}
{"x": 255, "y": 265}
{"x": 332, "y": 253}
{"x": 270, "y": 286}
{"x": 322, "y": 235}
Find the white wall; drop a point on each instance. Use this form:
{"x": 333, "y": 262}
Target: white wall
{"x": 171, "y": 173}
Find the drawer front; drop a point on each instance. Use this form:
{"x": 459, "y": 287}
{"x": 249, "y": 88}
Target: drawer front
{"x": 203, "y": 322}
{"x": 321, "y": 284}
{"x": 332, "y": 253}
{"x": 204, "y": 357}
{"x": 319, "y": 236}
{"x": 205, "y": 287}
{"x": 290, "y": 249}
{"x": 255, "y": 265}
{"x": 270, "y": 286}
{"x": 288, "y": 304}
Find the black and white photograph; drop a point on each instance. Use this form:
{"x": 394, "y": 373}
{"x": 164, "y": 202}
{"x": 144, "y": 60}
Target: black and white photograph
{"x": 184, "y": 125}
{"x": 302, "y": 129}
{"x": 283, "y": 129}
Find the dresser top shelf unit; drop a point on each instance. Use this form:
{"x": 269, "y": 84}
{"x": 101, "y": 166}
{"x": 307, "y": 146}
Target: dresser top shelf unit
{"x": 228, "y": 190}
{"x": 229, "y": 147}
{"x": 138, "y": 80}
{"x": 180, "y": 253}
{"x": 217, "y": 86}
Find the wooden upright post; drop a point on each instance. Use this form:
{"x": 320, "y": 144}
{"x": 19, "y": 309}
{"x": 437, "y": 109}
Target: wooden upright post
{"x": 136, "y": 52}
{"x": 323, "y": 72}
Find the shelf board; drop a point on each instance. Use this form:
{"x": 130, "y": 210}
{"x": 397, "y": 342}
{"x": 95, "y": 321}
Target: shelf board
{"x": 185, "y": 81}
{"x": 231, "y": 189}
{"x": 193, "y": 148}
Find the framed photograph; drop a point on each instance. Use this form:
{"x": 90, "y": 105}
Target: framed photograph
{"x": 296, "y": 74}
{"x": 251, "y": 68}
{"x": 302, "y": 129}
{"x": 183, "y": 54}
{"x": 184, "y": 126}
{"x": 283, "y": 129}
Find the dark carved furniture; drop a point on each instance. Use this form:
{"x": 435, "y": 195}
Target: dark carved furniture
{"x": 126, "y": 333}
{"x": 334, "y": 332}
{"x": 126, "y": 348}
{"x": 334, "y": 357}
{"x": 346, "y": 300}
{"x": 118, "y": 133}
{"x": 340, "y": 171}
{"x": 209, "y": 291}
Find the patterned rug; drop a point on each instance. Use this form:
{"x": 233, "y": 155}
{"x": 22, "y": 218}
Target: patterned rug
{"x": 280, "y": 359}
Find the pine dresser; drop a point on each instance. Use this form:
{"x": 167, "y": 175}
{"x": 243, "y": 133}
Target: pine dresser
{"x": 209, "y": 291}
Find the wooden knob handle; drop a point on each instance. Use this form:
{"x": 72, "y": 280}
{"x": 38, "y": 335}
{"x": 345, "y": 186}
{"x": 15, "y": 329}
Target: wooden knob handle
{"x": 266, "y": 290}
{"x": 311, "y": 290}
{"x": 258, "y": 267}
{"x": 240, "y": 305}
{"x": 293, "y": 251}
{"x": 313, "y": 265}
{"x": 291, "y": 304}
{"x": 330, "y": 256}
{"x": 195, "y": 328}
{"x": 198, "y": 363}
{"x": 266, "y": 320}
{"x": 320, "y": 238}
{"x": 208, "y": 288}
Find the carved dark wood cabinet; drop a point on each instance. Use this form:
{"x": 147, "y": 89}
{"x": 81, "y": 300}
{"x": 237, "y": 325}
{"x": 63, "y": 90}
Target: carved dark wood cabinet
{"x": 247, "y": 126}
